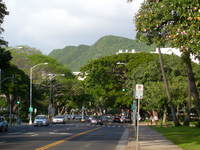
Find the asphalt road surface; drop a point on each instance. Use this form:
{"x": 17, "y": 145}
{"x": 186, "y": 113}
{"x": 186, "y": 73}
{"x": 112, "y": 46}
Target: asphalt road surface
{"x": 73, "y": 136}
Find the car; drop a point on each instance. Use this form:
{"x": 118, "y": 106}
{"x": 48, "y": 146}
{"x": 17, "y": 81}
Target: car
{"x": 117, "y": 119}
{"x": 3, "y": 124}
{"x": 59, "y": 119}
{"x": 77, "y": 117}
{"x": 122, "y": 119}
{"x": 41, "y": 120}
{"x": 109, "y": 118}
{"x": 97, "y": 120}
{"x": 68, "y": 117}
{"x": 125, "y": 119}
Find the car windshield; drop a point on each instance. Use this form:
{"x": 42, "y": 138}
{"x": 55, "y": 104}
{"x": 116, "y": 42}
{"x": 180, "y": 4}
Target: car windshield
{"x": 40, "y": 117}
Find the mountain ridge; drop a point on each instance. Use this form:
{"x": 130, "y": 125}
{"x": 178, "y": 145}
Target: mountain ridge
{"x": 74, "y": 57}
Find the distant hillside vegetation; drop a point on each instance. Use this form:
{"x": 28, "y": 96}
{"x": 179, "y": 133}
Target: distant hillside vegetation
{"x": 76, "y": 56}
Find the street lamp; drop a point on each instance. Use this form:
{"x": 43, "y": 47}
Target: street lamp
{"x": 51, "y": 77}
{"x": 31, "y": 78}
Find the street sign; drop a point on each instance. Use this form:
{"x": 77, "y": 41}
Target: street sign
{"x": 139, "y": 91}
{"x": 30, "y": 109}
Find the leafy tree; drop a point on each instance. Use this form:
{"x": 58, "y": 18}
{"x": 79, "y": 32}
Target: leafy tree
{"x": 173, "y": 23}
{"x": 149, "y": 74}
{"x": 5, "y": 56}
{"x": 15, "y": 84}
{"x": 3, "y": 13}
{"x": 107, "y": 79}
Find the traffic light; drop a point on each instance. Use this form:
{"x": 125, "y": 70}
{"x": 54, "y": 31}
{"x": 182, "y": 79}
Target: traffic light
{"x": 18, "y": 102}
{"x": 123, "y": 90}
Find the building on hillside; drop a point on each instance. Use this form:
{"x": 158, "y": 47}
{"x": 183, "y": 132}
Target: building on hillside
{"x": 174, "y": 51}
{"x": 125, "y": 51}
{"x": 79, "y": 75}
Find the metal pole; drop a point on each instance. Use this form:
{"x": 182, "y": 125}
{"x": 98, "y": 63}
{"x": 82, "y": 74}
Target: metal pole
{"x": 82, "y": 118}
{"x": 50, "y": 103}
{"x": 138, "y": 115}
{"x": 30, "y": 115}
{"x": 31, "y": 84}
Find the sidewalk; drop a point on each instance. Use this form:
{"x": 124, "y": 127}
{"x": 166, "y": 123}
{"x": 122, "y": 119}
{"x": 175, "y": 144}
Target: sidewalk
{"x": 149, "y": 139}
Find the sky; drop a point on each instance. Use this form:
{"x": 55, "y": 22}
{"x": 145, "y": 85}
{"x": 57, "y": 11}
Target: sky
{"x": 54, "y": 24}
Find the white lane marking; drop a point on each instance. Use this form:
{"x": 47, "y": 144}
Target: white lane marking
{"x": 2, "y": 142}
{"x": 31, "y": 134}
{"x": 14, "y": 133}
{"x": 123, "y": 140}
{"x": 62, "y": 133}
{"x": 34, "y": 135}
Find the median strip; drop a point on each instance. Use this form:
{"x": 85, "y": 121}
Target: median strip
{"x": 66, "y": 139}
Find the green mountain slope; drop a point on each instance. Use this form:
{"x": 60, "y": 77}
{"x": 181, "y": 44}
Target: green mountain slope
{"x": 75, "y": 57}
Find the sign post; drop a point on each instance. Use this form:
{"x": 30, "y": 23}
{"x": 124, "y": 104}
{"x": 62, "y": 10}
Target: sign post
{"x": 138, "y": 95}
{"x": 30, "y": 109}
{"x": 134, "y": 110}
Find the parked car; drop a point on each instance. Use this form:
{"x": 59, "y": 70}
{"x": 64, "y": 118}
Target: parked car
{"x": 116, "y": 119}
{"x": 59, "y": 119}
{"x": 125, "y": 119}
{"x": 97, "y": 120}
{"x": 3, "y": 124}
{"x": 77, "y": 117}
{"x": 41, "y": 120}
{"x": 109, "y": 118}
{"x": 68, "y": 117}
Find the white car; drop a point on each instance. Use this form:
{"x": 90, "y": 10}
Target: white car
{"x": 59, "y": 119}
{"x": 41, "y": 120}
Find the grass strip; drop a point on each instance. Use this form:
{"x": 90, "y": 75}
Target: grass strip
{"x": 187, "y": 138}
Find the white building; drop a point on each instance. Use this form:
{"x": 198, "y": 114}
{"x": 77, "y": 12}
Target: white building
{"x": 125, "y": 51}
{"x": 174, "y": 51}
{"x": 79, "y": 75}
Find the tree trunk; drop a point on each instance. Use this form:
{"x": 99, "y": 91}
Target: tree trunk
{"x": 164, "y": 117}
{"x": 166, "y": 85}
{"x": 192, "y": 84}
{"x": 188, "y": 108}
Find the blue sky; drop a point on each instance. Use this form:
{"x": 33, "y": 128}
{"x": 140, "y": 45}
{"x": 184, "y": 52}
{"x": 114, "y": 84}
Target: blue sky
{"x": 53, "y": 24}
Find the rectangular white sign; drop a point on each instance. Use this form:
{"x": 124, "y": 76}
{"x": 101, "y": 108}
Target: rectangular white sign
{"x": 139, "y": 91}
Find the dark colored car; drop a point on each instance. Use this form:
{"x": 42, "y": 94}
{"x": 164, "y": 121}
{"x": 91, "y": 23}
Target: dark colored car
{"x": 117, "y": 119}
{"x": 3, "y": 124}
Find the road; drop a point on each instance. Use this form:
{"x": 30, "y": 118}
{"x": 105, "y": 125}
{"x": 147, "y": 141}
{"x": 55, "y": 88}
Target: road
{"x": 71, "y": 136}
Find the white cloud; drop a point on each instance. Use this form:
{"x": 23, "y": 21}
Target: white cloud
{"x": 49, "y": 24}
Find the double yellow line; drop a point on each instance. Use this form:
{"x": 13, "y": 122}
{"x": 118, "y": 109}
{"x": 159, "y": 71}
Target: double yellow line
{"x": 64, "y": 140}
